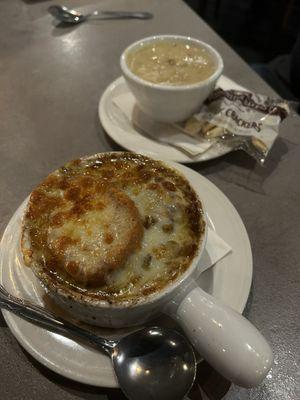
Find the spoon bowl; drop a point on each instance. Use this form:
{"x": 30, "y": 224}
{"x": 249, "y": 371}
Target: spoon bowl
{"x": 63, "y": 14}
{"x": 148, "y": 358}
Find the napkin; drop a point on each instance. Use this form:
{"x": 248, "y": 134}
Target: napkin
{"x": 158, "y": 131}
{"x": 216, "y": 249}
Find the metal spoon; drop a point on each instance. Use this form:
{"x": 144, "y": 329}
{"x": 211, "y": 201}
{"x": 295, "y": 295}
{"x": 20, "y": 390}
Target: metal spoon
{"x": 63, "y": 14}
{"x": 150, "y": 364}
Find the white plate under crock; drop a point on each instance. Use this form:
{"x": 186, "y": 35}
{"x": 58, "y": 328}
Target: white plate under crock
{"x": 229, "y": 280}
{"x": 122, "y": 131}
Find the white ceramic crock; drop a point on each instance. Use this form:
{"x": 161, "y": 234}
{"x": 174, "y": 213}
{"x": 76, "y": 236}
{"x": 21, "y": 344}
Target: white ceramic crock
{"x": 170, "y": 103}
{"x": 230, "y": 343}
{"x": 129, "y": 313}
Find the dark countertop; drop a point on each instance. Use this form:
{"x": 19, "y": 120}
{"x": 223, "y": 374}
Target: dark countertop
{"x": 51, "y": 80}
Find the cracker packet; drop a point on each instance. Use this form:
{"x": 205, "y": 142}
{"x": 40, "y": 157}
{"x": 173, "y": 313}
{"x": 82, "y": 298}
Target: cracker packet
{"x": 238, "y": 120}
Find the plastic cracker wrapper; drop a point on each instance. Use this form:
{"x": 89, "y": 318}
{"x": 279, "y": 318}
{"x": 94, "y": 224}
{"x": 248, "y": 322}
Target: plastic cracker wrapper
{"x": 239, "y": 120}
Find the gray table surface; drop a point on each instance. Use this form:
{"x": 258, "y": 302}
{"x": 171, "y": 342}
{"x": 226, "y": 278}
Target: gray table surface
{"x": 50, "y": 83}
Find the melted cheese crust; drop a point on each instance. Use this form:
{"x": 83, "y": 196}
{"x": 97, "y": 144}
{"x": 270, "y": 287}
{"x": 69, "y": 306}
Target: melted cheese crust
{"x": 113, "y": 227}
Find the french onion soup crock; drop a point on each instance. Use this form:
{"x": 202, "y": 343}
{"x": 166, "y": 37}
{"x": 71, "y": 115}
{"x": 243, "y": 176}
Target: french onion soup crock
{"x": 114, "y": 228}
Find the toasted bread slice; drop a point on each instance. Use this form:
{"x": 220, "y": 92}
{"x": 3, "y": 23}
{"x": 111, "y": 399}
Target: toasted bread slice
{"x": 100, "y": 240}
{"x": 83, "y": 227}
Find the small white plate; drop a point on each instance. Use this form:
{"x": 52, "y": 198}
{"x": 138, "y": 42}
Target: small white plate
{"x": 123, "y": 132}
{"x": 229, "y": 280}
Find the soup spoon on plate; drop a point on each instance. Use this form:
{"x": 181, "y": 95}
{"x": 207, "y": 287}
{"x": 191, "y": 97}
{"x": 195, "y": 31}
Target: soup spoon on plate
{"x": 151, "y": 363}
{"x": 66, "y": 15}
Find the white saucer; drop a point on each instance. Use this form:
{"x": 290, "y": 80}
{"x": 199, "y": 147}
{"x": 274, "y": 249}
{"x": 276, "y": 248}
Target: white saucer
{"x": 229, "y": 280}
{"x": 119, "y": 128}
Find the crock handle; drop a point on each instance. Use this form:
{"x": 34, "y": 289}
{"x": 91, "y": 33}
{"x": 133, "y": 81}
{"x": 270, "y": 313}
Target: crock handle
{"x": 225, "y": 339}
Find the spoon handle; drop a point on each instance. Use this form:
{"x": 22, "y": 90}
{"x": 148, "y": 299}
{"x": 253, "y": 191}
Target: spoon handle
{"x": 120, "y": 15}
{"x": 225, "y": 339}
{"x": 38, "y": 315}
